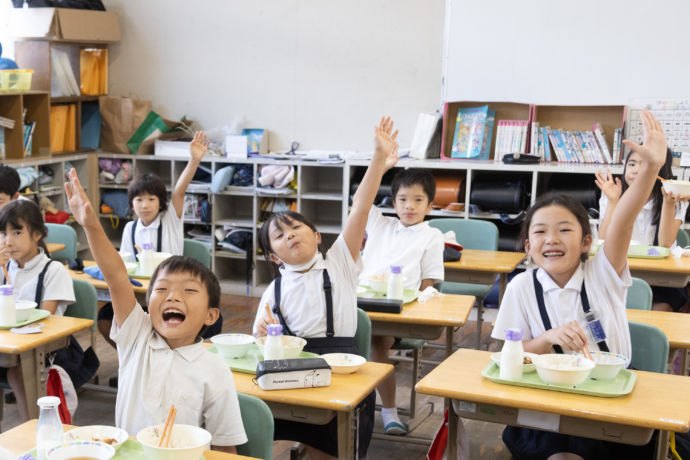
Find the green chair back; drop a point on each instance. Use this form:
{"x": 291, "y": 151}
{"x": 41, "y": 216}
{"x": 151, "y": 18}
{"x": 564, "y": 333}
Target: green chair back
{"x": 363, "y": 334}
{"x": 471, "y": 233}
{"x": 197, "y": 250}
{"x": 65, "y": 234}
{"x": 649, "y": 348}
{"x": 86, "y": 304}
{"x": 257, "y": 419}
{"x": 682, "y": 239}
{"x": 639, "y": 295}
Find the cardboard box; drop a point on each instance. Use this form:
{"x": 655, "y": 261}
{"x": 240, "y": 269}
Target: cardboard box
{"x": 65, "y": 24}
{"x": 179, "y": 149}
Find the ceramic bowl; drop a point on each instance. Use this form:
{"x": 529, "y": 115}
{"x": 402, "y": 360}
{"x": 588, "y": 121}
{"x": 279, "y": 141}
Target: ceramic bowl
{"x": 677, "y": 187}
{"x": 566, "y": 370}
{"x": 81, "y": 449}
{"x": 292, "y": 346}
{"x": 186, "y": 442}
{"x": 344, "y": 363}
{"x": 526, "y": 367}
{"x": 110, "y": 435}
{"x": 608, "y": 365}
{"x": 232, "y": 345}
{"x": 24, "y": 309}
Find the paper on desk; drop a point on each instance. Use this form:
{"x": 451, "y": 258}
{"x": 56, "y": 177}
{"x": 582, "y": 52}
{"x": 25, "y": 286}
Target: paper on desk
{"x": 427, "y": 294}
{"x": 541, "y": 420}
{"x": 33, "y": 328}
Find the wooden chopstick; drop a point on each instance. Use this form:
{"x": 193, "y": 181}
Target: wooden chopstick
{"x": 268, "y": 311}
{"x": 661, "y": 178}
{"x": 586, "y": 353}
{"x": 170, "y": 417}
{"x": 172, "y": 423}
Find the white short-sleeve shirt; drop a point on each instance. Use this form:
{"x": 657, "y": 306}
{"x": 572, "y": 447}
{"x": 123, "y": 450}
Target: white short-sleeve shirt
{"x": 152, "y": 376}
{"x": 644, "y": 230}
{"x": 57, "y": 284}
{"x": 303, "y": 302}
{"x": 606, "y": 292}
{"x": 172, "y": 233}
{"x": 417, "y": 248}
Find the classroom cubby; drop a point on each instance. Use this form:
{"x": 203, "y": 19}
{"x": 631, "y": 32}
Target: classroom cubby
{"x": 36, "y": 105}
{"x": 326, "y": 218}
{"x": 233, "y": 210}
{"x": 321, "y": 182}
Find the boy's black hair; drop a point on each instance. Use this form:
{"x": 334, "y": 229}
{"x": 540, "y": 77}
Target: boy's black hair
{"x": 412, "y": 176}
{"x": 282, "y": 218}
{"x": 9, "y": 180}
{"x": 557, "y": 199}
{"x": 20, "y": 214}
{"x": 151, "y": 184}
{"x": 177, "y": 264}
{"x": 666, "y": 172}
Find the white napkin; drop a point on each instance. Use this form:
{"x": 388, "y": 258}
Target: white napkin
{"x": 427, "y": 294}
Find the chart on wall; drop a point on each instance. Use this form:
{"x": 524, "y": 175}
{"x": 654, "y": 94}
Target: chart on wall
{"x": 674, "y": 116}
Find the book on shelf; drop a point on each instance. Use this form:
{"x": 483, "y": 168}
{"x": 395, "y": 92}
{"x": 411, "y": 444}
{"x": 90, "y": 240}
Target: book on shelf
{"x": 488, "y": 134}
{"x": 512, "y": 136}
{"x": 7, "y": 122}
{"x": 469, "y": 132}
{"x": 64, "y": 83}
{"x": 2, "y": 143}
{"x": 93, "y": 71}
{"x": 28, "y": 137}
{"x": 63, "y": 127}
{"x": 426, "y": 138}
{"x": 576, "y": 146}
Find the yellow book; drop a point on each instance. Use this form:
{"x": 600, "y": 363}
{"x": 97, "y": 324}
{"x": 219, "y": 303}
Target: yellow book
{"x": 71, "y": 128}
{"x": 58, "y": 121}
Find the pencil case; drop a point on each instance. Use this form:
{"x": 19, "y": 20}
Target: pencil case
{"x": 285, "y": 374}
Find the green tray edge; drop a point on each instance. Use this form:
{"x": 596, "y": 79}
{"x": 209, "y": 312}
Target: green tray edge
{"x": 129, "y": 450}
{"x": 39, "y": 315}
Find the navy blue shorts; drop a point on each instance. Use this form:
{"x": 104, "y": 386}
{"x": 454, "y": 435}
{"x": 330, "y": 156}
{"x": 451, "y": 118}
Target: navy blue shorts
{"x": 675, "y": 297}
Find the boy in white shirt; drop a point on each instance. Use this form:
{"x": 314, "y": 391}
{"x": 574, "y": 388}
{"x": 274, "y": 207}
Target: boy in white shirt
{"x": 162, "y": 361}
{"x": 409, "y": 242}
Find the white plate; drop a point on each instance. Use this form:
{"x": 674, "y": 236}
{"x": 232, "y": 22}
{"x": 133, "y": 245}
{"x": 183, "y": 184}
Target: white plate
{"x": 99, "y": 433}
{"x": 526, "y": 368}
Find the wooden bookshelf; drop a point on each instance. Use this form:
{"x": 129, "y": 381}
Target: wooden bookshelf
{"x": 37, "y": 105}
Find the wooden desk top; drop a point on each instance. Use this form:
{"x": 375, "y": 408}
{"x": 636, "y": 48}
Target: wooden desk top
{"x": 658, "y": 401}
{"x": 101, "y": 284}
{"x": 676, "y": 326}
{"x": 55, "y": 328}
{"x": 53, "y": 247}
{"x": 669, "y": 264}
{"x": 445, "y": 310}
{"x": 487, "y": 261}
{"x": 343, "y": 395}
{"x": 23, "y": 438}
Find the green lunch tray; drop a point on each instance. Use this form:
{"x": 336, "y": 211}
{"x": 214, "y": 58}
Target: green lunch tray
{"x": 619, "y": 386}
{"x": 247, "y": 363}
{"x": 129, "y": 450}
{"x": 136, "y": 274}
{"x": 409, "y": 295}
{"x": 35, "y": 315}
{"x": 640, "y": 251}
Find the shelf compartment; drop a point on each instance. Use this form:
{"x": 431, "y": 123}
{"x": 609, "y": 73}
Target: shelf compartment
{"x": 230, "y": 269}
{"x": 321, "y": 181}
{"x": 153, "y": 166}
{"x": 326, "y": 218}
{"x": 230, "y": 209}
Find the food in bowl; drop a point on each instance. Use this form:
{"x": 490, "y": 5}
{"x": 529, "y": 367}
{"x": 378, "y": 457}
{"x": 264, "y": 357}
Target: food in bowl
{"x": 110, "y": 435}
{"x": 608, "y": 365}
{"x": 232, "y": 346}
{"x": 186, "y": 442}
{"x": 561, "y": 369}
{"x": 344, "y": 363}
{"x": 677, "y": 187}
{"x": 527, "y": 361}
{"x": 24, "y": 309}
{"x": 292, "y": 346}
{"x": 74, "y": 450}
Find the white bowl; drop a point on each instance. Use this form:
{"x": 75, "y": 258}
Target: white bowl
{"x": 567, "y": 370}
{"x": 81, "y": 449}
{"x": 344, "y": 363}
{"x": 149, "y": 263}
{"x": 232, "y": 345}
{"x": 677, "y": 187}
{"x": 127, "y": 256}
{"x": 131, "y": 267}
{"x": 526, "y": 368}
{"x": 608, "y": 365}
{"x": 110, "y": 435}
{"x": 186, "y": 442}
{"x": 24, "y": 309}
{"x": 292, "y": 346}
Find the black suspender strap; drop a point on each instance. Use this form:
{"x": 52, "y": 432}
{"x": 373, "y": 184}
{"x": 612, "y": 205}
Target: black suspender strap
{"x": 159, "y": 244}
{"x": 327, "y": 288}
{"x": 39, "y": 284}
{"x": 539, "y": 291}
{"x": 656, "y": 236}
{"x": 590, "y": 316}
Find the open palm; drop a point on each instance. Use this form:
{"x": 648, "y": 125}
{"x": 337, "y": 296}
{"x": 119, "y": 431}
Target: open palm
{"x": 77, "y": 200}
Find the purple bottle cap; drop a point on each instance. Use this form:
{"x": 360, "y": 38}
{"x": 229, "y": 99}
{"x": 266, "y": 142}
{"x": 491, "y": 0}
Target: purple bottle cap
{"x": 514, "y": 334}
{"x": 396, "y": 269}
{"x": 274, "y": 329}
{"x": 6, "y": 289}
{"x": 147, "y": 246}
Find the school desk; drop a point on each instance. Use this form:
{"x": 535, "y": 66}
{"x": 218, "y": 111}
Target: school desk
{"x": 658, "y": 401}
{"x": 676, "y": 326}
{"x": 22, "y": 438}
{"x": 102, "y": 287}
{"x": 481, "y": 267}
{"x": 54, "y": 247}
{"x": 670, "y": 271}
{"x": 320, "y": 405}
{"x": 30, "y": 351}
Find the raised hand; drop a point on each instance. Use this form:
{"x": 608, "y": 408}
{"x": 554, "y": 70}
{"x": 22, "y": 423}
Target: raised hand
{"x": 611, "y": 187}
{"x": 653, "y": 148}
{"x": 386, "y": 146}
{"x": 199, "y": 145}
{"x": 78, "y": 202}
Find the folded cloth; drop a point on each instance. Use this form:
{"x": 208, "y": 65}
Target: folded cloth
{"x": 95, "y": 272}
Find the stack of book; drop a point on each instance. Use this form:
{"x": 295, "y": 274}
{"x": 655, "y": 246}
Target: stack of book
{"x": 575, "y": 146}
{"x": 511, "y": 137}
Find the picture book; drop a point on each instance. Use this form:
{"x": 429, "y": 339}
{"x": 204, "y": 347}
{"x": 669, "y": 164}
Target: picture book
{"x": 488, "y": 135}
{"x": 469, "y": 132}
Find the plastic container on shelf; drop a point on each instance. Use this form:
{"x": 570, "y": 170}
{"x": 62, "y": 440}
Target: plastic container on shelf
{"x": 15, "y": 80}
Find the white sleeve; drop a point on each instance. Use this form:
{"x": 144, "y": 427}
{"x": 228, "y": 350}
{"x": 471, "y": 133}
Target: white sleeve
{"x": 126, "y": 245}
{"x": 603, "y": 204}
{"x": 616, "y": 287}
{"x": 512, "y": 311}
{"x": 57, "y": 284}
{"x": 432, "y": 259}
{"x": 350, "y": 268}
{"x": 374, "y": 217}
{"x": 221, "y": 412}
{"x": 681, "y": 210}
{"x": 137, "y": 325}
{"x": 266, "y": 299}
{"x": 173, "y": 227}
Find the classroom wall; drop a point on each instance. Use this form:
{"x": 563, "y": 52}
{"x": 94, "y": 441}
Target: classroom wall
{"x": 316, "y": 71}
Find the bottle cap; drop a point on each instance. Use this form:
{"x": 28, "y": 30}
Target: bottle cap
{"x": 6, "y": 289}
{"x": 396, "y": 269}
{"x": 147, "y": 246}
{"x": 274, "y": 329}
{"x": 48, "y": 401}
{"x": 514, "y": 334}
